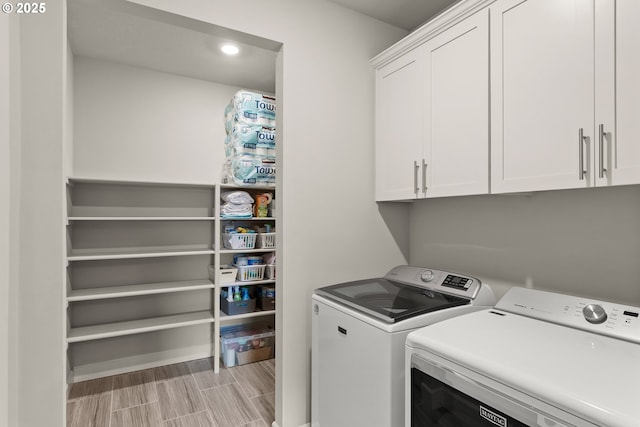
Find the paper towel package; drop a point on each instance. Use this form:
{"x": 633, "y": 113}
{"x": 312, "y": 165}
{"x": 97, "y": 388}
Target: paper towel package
{"x": 250, "y": 169}
{"x": 250, "y": 108}
{"x": 250, "y": 139}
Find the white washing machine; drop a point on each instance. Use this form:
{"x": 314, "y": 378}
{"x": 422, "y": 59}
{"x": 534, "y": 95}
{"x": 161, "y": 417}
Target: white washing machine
{"x": 536, "y": 359}
{"x": 358, "y": 334}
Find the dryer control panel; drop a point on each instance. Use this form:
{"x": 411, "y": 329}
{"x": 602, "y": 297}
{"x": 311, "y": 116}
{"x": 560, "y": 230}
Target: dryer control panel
{"x": 606, "y": 318}
{"x": 443, "y": 281}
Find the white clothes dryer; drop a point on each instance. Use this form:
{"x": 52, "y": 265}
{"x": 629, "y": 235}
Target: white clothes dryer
{"x": 536, "y": 359}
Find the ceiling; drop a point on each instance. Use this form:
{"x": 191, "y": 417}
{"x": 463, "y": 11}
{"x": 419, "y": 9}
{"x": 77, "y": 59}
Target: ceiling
{"x": 407, "y": 14}
{"x": 124, "y": 32}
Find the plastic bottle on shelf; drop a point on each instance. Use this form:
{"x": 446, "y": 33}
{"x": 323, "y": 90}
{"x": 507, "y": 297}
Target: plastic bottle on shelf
{"x": 236, "y": 294}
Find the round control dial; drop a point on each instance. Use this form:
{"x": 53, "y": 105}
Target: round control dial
{"x": 426, "y": 276}
{"x": 594, "y": 313}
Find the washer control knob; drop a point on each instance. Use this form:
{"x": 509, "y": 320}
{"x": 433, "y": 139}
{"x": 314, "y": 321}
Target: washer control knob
{"x": 594, "y": 313}
{"x": 426, "y": 276}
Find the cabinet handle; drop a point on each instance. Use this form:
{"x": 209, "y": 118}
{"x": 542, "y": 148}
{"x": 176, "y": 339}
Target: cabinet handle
{"x": 581, "y": 138}
{"x": 601, "y": 133}
{"x": 415, "y": 177}
{"x": 424, "y": 176}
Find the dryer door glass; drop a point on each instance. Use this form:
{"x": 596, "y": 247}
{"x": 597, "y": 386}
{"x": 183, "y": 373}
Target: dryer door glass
{"x": 434, "y": 403}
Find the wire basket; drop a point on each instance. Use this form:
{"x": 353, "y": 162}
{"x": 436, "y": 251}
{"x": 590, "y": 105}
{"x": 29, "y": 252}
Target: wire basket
{"x": 239, "y": 240}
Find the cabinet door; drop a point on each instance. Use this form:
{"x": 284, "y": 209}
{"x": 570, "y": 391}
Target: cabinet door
{"x": 618, "y": 91}
{"x": 399, "y": 126}
{"x": 541, "y": 94}
{"x": 457, "y": 109}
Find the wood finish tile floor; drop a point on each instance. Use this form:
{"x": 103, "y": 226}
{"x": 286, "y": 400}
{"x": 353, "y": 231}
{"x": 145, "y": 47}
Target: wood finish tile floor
{"x": 181, "y": 395}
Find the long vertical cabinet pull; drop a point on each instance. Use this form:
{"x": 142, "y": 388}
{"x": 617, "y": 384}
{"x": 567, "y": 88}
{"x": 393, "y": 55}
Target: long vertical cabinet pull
{"x": 424, "y": 177}
{"x": 581, "y": 171}
{"x": 601, "y": 133}
{"x": 416, "y": 189}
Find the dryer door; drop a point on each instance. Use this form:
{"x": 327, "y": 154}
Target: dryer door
{"x": 441, "y": 396}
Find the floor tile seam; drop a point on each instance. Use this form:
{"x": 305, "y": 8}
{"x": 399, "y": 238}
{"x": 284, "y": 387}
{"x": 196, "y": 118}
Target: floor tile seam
{"x": 111, "y": 405}
{"x": 134, "y": 406}
{"x": 89, "y": 396}
{"x": 244, "y": 385}
{"x": 216, "y": 386}
{"x": 190, "y": 403}
{"x": 185, "y": 416}
{"x": 257, "y": 410}
{"x": 211, "y": 411}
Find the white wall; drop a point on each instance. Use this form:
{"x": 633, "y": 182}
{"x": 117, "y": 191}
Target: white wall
{"x": 583, "y": 242}
{"x": 331, "y": 229}
{"x": 39, "y": 227}
{"x": 133, "y": 123}
{"x": 68, "y": 114}
{"x": 5, "y": 216}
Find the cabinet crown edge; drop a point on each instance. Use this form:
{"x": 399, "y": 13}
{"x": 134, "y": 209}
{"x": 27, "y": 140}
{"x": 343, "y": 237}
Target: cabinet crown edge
{"x": 441, "y": 22}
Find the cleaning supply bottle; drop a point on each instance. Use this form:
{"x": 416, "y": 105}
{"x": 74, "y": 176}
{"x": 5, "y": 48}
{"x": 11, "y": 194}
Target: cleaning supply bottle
{"x": 230, "y": 294}
{"x": 236, "y": 294}
{"x": 245, "y": 294}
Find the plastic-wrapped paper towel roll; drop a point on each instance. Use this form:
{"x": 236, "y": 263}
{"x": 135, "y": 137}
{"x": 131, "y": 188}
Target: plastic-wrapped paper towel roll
{"x": 252, "y": 170}
{"x": 250, "y": 108}
{"x": 250, "y": 139}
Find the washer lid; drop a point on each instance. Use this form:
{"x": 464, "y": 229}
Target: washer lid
{"x": 387, "y": 300}
{"x": 592, "y": 376}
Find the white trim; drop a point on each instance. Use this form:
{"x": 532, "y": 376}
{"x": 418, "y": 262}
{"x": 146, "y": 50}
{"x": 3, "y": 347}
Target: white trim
{"x": 433, "y": 27}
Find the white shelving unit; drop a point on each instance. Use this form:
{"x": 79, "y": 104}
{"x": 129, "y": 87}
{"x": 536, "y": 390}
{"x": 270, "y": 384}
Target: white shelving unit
{"x": 137, "y": 259}
{"x": 224, "y": 256}
{"x": 138, "y": 291}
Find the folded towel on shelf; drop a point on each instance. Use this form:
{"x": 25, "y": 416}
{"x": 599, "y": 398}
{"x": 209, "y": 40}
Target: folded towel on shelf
{"x": 231, "y": 210}
{"x": 237, "y": 197}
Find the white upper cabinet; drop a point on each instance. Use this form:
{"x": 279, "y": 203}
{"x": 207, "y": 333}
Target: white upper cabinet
{"x": 399, "y": 126}
{"x": 432, "y": 116}
{"x": 617, "y": 107}
{"x": 510, "y": 96}
{"x": 541, "y": 94}
{"x": 564, "y": 94}
{"x": 456, "y": 145}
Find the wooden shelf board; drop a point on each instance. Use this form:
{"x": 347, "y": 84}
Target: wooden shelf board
{"x": 143, "y": 252}
{"x": 135, "y": 290}
{"x": 140, "y": 218}
{"x": 241, "y": 251}
{"x": 248, "y": 283}
{"x": 266, "y": 218}
{"x": 226, "y": 318}
{"x": 88, "y": 180}
{"x": 107, "y": 330}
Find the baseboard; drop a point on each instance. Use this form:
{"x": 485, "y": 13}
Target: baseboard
{"x": 274, "y": 424}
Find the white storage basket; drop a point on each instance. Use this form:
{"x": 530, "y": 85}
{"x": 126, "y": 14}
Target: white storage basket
{"x": 266, "y": 240}
{"x": 239, "y": 240}
{"x": 270, "y": 271}
{"x": 248, "y": 273}
{"x": 227, "y": 274}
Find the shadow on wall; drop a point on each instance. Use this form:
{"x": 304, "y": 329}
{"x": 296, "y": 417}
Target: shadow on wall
{"x": 396, "y": 216}
{"x": 584, "y": 242}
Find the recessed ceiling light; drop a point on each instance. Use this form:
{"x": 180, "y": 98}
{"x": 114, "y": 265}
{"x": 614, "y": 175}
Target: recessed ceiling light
{"x": 229, "y": 49}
